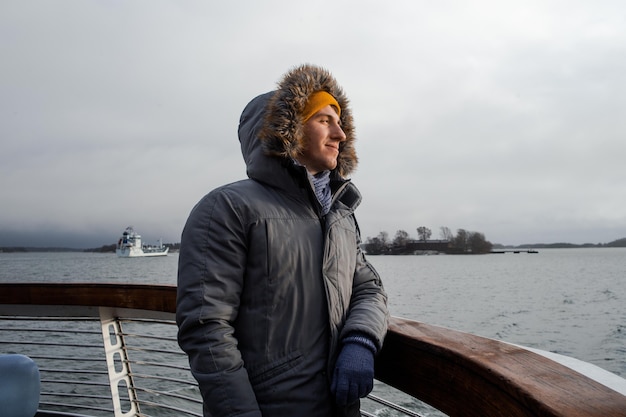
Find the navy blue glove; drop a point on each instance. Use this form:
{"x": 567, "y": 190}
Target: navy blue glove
{"x": 354, "y": 370}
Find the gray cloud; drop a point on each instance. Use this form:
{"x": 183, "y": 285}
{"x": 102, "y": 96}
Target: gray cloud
{"x": 488, "y": 116}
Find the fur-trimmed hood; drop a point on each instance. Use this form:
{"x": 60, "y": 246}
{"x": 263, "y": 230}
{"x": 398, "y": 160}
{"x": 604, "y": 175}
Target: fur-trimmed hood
{"x": 275, "y": 119}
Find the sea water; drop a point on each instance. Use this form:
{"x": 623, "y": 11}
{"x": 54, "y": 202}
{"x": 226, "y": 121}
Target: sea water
{"x": 568, "y": 301}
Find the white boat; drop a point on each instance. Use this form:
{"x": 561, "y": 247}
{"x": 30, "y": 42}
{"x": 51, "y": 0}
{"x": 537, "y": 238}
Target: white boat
{"x": 130, "y": 246}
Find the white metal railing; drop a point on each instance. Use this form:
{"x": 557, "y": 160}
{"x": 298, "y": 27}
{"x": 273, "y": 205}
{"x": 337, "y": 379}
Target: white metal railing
{"x": 116, "y": 362}
{"x": 118, "y": 365}
{"x": 140, "y": 372}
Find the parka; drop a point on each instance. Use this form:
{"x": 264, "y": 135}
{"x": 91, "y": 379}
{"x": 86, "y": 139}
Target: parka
{"x": 268, "y": 286}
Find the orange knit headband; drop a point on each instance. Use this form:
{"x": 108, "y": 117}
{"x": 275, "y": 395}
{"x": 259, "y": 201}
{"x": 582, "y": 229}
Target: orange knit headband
{"x": 318, "y": 101}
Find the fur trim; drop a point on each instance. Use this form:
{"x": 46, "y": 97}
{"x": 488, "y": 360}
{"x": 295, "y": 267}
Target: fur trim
{"x": 282, "y": 131}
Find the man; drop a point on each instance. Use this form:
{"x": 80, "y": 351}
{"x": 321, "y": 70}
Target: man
{"x": 278, "y": 309}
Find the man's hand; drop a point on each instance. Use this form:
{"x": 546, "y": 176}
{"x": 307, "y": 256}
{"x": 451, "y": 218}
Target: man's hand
{"x": 354, "y": 372}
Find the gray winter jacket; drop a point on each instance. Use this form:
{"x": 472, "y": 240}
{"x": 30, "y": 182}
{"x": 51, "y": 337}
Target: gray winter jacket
{"x": 267, "y": 288}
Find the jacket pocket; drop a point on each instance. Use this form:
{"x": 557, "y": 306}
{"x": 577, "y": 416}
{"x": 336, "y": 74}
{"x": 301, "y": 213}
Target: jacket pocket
{"x": 274, "y": 371}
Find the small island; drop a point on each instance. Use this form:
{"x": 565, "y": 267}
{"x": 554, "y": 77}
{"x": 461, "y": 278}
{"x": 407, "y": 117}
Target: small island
{"x": 463, "y": 243}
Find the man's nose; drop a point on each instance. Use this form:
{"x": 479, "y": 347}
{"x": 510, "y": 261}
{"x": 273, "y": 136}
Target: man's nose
{"x": 338, "y": 133}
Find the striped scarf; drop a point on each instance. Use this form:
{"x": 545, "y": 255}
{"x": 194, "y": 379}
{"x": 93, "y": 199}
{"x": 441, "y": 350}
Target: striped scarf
{"x": 321, "y": 184}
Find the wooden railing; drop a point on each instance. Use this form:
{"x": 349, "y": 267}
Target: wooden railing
{"x": 466, "y": 375}
{"x": 458, "y": 373}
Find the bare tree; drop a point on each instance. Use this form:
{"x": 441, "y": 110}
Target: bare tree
{"x": 377, "y": 245}
{"x": 401, "y": 238}
{"x": 478, "y": 243}
{"x": 384, "y": 237}
{"x": 461, "y": 241}
{"x": 423, "y": 233}
{"x": 446, "y": 234}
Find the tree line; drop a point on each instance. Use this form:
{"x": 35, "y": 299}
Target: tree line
{"x": 464, "y": 242}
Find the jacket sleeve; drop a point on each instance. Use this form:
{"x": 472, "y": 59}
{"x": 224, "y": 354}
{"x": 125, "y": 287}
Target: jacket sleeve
{"x": 211, "y": 267}
{"x": 368, "y": 313}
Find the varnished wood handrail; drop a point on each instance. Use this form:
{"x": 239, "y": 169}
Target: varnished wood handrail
{"x": 458, "y": 373}
{"x": 466, "y": 375}
{"x": 161, "y": 298}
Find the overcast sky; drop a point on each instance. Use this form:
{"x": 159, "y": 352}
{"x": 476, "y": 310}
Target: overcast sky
{"x": 506, "y": 118}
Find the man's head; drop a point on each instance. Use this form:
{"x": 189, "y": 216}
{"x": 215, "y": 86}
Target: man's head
{"x": 290, "y": 121}
{"x": 322, "y": 137}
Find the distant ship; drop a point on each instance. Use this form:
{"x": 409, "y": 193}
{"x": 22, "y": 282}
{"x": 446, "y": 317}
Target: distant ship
{"x": 129, "y": 246}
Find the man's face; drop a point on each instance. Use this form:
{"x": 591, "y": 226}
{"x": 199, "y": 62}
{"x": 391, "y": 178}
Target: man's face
{"x": 322, "y": 134}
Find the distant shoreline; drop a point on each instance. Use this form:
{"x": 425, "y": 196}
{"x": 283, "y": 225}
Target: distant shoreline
{"x": 174, "y": 247}
{"x": 619, "y": 243}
